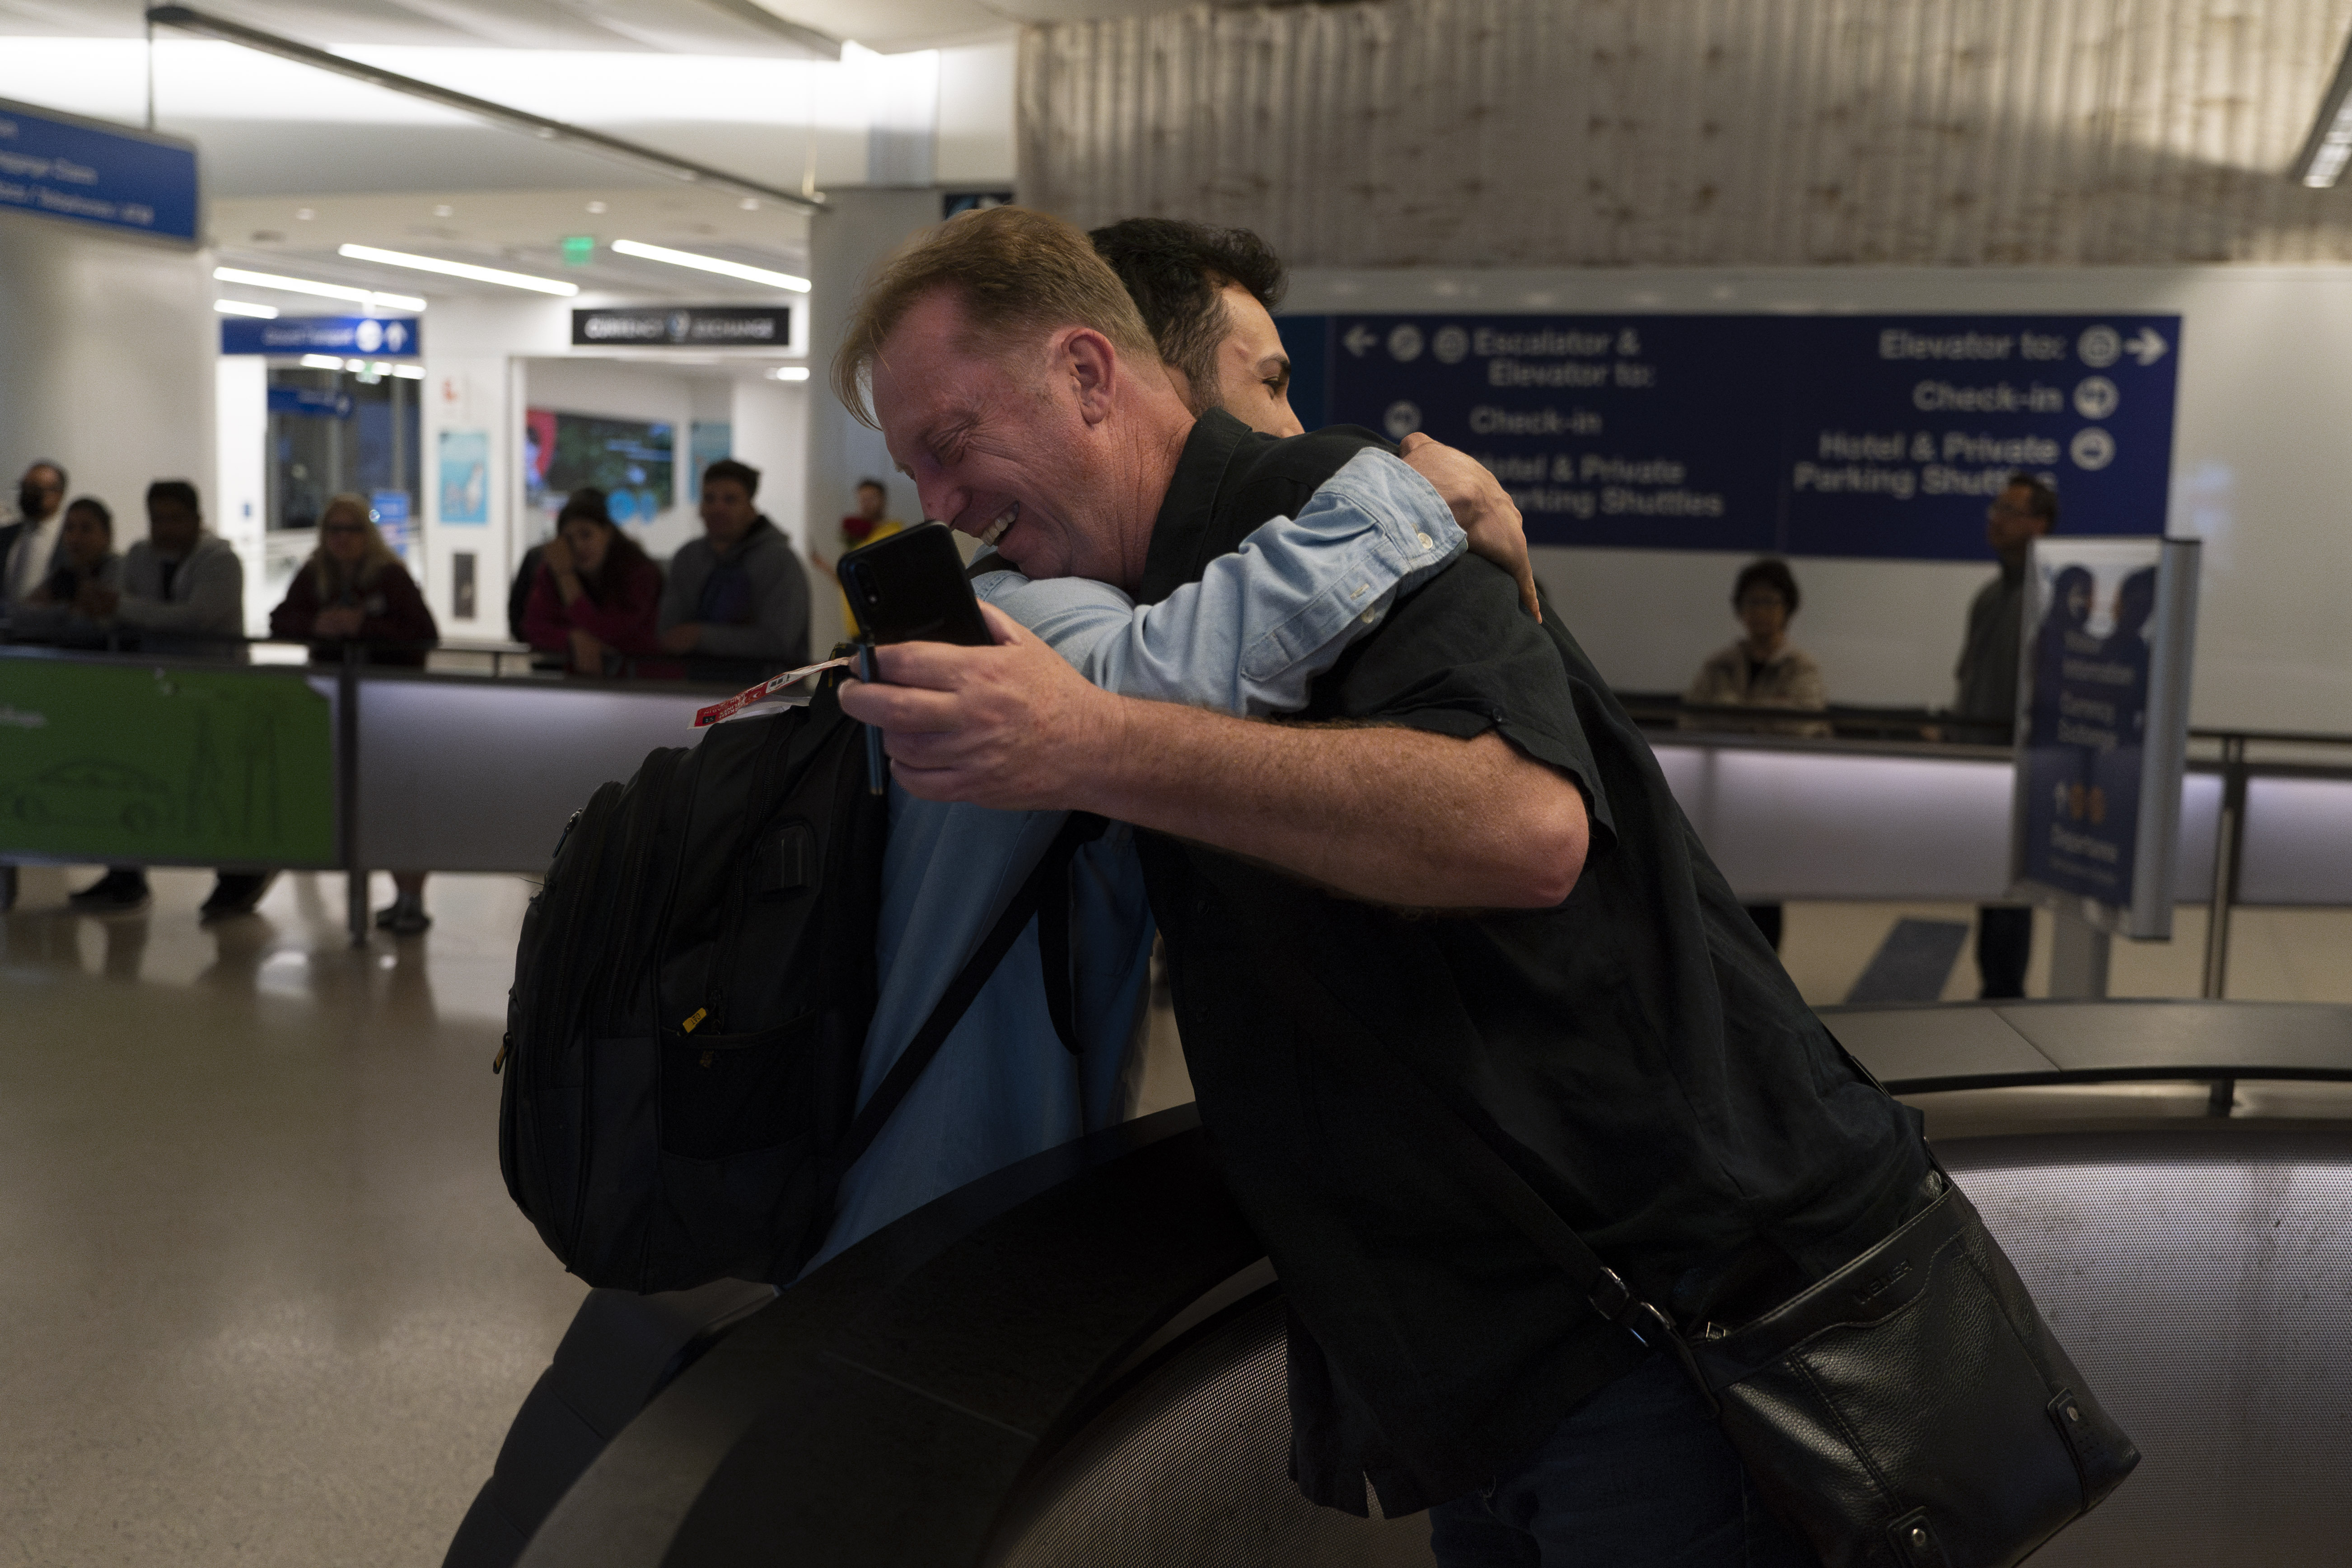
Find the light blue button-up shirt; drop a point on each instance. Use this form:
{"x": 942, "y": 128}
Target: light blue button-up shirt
{"x": 1248, "y": 638}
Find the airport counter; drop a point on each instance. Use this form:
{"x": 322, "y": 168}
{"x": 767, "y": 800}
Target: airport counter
{"x": 164, "y": 760}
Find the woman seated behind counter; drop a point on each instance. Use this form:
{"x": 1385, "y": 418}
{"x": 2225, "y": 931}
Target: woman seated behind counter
{"x": 597, "y": 597}
{"x": 354, "y": 589}
{"x": 88, "y": 559}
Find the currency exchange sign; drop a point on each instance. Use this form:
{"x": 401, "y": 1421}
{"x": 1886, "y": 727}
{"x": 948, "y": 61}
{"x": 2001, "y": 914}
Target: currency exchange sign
{"x": 1862, "y": 436}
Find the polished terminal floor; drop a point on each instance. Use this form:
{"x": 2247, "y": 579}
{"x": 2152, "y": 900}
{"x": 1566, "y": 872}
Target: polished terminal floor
{"x": 267, "y": 1300}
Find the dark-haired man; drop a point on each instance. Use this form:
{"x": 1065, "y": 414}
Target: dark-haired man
{"x": 1208, "y": 297}
{"x": 737, "y": 602}
{"x": 183, "y": 592}
{"x": 2026, "y": 509}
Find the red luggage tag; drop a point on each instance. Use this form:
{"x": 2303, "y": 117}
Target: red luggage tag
{"x": 704, "y": 716}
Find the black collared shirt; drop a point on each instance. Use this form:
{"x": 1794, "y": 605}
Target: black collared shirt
{"x": 1637, "y": 1052}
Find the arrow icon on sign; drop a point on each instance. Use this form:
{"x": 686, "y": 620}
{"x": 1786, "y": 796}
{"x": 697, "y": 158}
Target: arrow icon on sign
{"x": 2146, "y": 347}
{"x": 1359, "y": 339}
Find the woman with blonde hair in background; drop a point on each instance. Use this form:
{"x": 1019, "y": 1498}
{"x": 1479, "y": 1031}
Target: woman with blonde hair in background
{"x": 353, "y": 589}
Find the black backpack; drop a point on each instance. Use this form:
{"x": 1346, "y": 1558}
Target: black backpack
{"x": 691, "y": 995}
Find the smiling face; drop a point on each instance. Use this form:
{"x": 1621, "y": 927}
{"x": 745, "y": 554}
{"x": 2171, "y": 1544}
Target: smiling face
{"x": 1008, "y": 445}
{"x": 1253, "y": 367}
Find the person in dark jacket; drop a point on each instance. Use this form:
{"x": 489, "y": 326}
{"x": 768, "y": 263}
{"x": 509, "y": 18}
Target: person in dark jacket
{"x": 596, "y": 597}
{"x": 84, "y": 554}
{"x": 1986, "y": 678}
{"x": 737, "y": 601}
{"x": 353, "y": 589}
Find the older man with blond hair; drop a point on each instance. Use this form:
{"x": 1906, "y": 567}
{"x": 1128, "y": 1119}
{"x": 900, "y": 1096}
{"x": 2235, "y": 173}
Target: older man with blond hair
{"x": 1453, "y": 904}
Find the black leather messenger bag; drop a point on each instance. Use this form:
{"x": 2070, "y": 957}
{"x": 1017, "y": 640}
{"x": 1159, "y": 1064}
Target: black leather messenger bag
{"x": 1911, "y": 1410}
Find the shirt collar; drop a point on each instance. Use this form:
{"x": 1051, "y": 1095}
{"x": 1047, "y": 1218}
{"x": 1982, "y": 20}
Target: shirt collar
{"x": 1181, "y": 532}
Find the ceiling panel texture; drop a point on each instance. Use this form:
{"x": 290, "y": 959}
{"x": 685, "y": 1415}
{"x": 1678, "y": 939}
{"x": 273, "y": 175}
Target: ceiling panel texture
{"x": 1701, "y": 133}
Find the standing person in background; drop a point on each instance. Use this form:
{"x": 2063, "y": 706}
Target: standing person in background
{"x": 182, "y": 590}
{"x": 869, "y": 523}
{"x": 597, "y": 598}
{"x": 31, "y": 546}
{"x": 353, "y": 589}
{"x": 2026, "y": 509}
{"x": 1762, "y": 669}
{"x": 84, "y": 554}
{"x": 737, "y": 601}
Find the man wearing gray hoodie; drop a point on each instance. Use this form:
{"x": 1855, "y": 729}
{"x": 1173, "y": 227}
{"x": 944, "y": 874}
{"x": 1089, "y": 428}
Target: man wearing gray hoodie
{"x": 737, "y": 602}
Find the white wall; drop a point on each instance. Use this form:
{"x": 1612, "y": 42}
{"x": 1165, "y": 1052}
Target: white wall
{"x": 240, "y": 489}
{"x": 106, "y": 363}
{"x": 2261, "y": 472}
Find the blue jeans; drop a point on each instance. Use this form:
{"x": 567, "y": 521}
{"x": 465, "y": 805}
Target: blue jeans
{"x": 1639, "y": 1476}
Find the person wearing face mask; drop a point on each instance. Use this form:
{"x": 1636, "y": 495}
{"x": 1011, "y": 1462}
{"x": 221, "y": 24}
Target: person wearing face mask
{"x": 737, "y": 604}
{"x": 597, "y": 597}
{"x": 181, "y": 591}
{"x": 1207, "y": 297}
{"x": 32, "y": 546}
{"x": 84, "y": 554}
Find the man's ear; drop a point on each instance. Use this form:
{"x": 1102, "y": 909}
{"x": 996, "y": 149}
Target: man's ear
{"x": 1093, "y": 367}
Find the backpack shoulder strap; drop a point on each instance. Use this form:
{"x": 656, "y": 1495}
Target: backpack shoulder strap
{"x": 1047, "y": 884}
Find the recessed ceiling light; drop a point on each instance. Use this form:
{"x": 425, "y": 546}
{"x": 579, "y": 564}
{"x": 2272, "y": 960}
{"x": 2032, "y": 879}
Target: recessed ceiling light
{"x": 711, "y": 264}
{"x": 239, "y": 308}
{"x": 749, "y": 204}
{"x": 445, "y": 210}
{"x": 458, "y": 269}
{"x": 323, "y": 291}
{"x": 596, "y": 207}
{"x": 306, "y": 214}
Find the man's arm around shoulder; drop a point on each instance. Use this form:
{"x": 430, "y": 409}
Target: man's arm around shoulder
{"x": 1385, "y": 814}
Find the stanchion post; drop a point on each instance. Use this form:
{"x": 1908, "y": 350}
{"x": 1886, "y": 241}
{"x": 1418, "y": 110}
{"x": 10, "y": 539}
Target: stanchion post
{"x": 347, "y": 793}
{"x": 2228, "y": 844}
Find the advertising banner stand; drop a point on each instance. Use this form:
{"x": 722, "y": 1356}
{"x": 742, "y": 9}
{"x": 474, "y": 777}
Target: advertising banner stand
{"x": 2101, "y": 738}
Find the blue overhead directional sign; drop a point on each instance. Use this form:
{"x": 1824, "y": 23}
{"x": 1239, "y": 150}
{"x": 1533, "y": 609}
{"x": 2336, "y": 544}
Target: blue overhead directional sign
{"x": 393, "y": 337}
{"x": 85, "y": 171}
{"x": 1871, "y": 435}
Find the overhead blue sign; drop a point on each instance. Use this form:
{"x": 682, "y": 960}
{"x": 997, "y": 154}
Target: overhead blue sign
{"x": 395, "y": 337}
{"x": 85, "y": 171}
{"x": 1869, "y": 436}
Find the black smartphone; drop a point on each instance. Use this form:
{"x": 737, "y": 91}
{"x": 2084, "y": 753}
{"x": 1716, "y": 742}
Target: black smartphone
{"x": 911, "y": 587}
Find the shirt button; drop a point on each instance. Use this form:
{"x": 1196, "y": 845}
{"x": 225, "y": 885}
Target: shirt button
{"x": 1426, "y": 541}
{"x": 1372, "y": 616}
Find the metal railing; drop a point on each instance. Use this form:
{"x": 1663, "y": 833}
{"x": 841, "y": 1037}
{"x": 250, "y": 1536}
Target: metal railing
{"x": 2229, "y": 753}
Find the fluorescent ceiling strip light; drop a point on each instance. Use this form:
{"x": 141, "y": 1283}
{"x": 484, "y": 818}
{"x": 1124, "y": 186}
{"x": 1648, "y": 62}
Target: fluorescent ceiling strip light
{"x": 788, "y": 373}
{"x": 323, "y": 291}
{"x": 190, "y": 20}
{"x": 2329, "y": 145}
{"x": 710, "y": 263}
{"x": 323, "y": 362}
{"x": 409, "y": 372}
{"x": 458, "y": 269}
{"x": 239, "y": 308}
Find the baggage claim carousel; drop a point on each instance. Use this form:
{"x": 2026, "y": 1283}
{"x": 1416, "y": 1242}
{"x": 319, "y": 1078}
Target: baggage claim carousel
{"x": 1079, "y": 1360}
